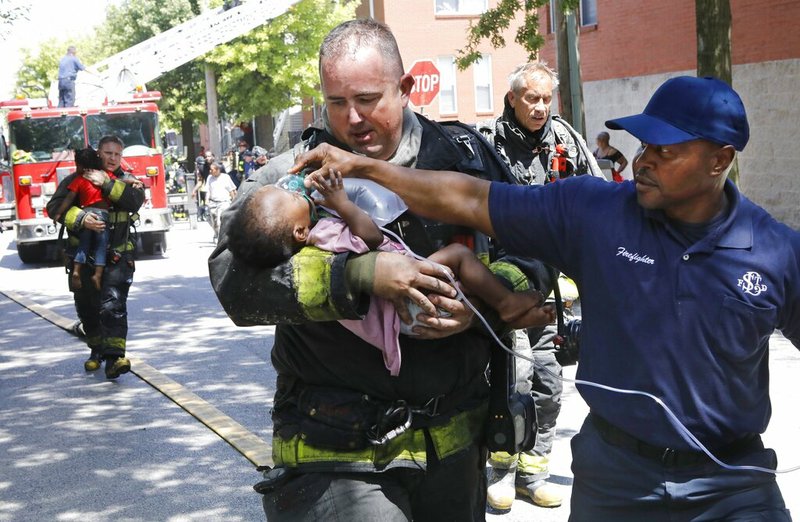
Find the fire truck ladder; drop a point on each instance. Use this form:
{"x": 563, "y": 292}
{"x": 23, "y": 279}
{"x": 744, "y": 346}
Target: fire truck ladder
{"x": 118, "y": 76}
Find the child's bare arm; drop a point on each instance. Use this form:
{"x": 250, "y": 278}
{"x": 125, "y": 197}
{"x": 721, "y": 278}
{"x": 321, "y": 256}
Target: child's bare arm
{"x": 359, "y": 222}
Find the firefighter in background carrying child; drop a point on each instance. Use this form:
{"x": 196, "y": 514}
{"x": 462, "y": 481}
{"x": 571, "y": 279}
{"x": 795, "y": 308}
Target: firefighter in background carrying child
{"x": 103, "y": 313}
{"x": 90, "y": 198}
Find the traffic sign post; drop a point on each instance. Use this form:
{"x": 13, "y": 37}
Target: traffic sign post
{"x": 426, "y": 82}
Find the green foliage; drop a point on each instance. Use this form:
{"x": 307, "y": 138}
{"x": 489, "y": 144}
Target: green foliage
{"x": 274, "y": 66}
{"x": 267, "y": 70}
{"x": 40, "y": 65}
{"x": 134, "y": 21}
{"x": 493, "y": 22}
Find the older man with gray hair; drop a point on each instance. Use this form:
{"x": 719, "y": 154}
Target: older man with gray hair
{"x": 540, "y": 148}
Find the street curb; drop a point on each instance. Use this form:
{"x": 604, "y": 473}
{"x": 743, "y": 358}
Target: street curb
{"x": 253, "y": 448}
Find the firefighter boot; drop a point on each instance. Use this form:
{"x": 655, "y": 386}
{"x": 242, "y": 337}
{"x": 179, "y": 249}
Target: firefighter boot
{"x": 116, "y": 366}
{"x": 532, "y": 480}
{"x": 93, "y": 362}
{"x": 542, "y": 493}
{"x": 500, "y": 494}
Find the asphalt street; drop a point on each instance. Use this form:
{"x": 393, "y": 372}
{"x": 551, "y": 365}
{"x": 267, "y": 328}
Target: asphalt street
{"x": 74, "y": 446}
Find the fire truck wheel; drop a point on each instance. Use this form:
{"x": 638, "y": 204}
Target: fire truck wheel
{"x": 31, "y": 252}
{"x": 154, "y": 243}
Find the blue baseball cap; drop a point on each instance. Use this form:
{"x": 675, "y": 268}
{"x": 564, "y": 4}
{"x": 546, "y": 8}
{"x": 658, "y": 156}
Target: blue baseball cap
{"x": 688, "y": 108}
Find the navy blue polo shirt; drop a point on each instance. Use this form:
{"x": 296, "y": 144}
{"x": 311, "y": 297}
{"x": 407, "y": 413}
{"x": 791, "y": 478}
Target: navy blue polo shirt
{"x": 688, "y": 324}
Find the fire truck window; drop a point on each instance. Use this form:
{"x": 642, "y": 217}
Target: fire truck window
{"x": 135, "y": 129}
{"x": 40, "y": 138}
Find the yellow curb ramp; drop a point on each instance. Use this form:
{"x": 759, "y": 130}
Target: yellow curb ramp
{"x": 253, "y": 448}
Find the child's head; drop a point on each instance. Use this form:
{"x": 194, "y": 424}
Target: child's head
{"x": 87, "y": 159}
{"x": 272, "y": 225}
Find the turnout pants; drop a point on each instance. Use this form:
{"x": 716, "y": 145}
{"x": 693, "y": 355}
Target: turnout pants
{"x": 450, "y": 489}
{"x": 546, "y": 388}
{"x": 104, "y": 314}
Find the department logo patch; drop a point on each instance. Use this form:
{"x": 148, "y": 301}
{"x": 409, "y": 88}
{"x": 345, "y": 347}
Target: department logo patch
{"x": 751, "y": 284}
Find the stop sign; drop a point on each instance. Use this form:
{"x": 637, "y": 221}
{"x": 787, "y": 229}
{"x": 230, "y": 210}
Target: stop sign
{"x": 426, "y": 82}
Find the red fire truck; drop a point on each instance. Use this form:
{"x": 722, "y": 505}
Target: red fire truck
{"x": 41, "y": 137}
{"x": 7, "y": 211}
{"x": 42, "y": 140}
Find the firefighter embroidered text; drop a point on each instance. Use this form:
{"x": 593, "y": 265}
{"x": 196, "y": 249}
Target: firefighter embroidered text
{"x": 634, "y": 257}
{"x": 751, "y": 283}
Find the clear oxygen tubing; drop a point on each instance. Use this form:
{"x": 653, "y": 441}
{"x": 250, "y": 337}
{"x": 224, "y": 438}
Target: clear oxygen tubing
{"x": 687, "y": 435}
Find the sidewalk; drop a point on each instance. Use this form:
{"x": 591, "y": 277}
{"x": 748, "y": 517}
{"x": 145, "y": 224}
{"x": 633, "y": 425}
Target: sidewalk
{"x": 74, "y": 446}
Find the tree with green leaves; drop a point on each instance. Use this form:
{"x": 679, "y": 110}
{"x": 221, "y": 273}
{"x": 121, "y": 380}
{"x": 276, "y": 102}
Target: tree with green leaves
{"x": 493, "y": 22}
{"x": 274, "y": 67}
{"x": 182, "y": 89}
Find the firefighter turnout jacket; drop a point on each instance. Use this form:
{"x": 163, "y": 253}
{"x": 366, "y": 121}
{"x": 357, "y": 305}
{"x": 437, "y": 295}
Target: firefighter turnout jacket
{"x": 336, "y": 406}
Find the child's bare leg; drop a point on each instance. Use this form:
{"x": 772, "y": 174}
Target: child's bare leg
{"x": 97, "y": 278}
{"x": 474, "y": 276}
{"x": 76, "y": 276}
{"x": 521, "y": 309}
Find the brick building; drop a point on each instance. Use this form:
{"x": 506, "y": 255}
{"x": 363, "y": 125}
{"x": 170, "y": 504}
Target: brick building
{"x": 627, "y": 48}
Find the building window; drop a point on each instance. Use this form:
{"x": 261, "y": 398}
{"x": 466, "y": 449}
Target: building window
{"x": 447, "y": 85}
{"x": 460, "y": 7}
{"x": 482, "y": 70}
{"x": 587, "y": 14}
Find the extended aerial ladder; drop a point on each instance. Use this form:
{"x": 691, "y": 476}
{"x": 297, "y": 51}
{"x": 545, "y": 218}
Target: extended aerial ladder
{"x": 112, "y": 100}
{"x": 120, "y": 75}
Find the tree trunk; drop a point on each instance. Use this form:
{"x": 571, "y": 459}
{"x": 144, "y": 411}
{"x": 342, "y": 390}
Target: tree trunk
{"x": 713, "y": 20}
{"x": 714, "y": 39}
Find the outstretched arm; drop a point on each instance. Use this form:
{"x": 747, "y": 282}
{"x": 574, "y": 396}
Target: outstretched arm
{"x": 450, "y": 197}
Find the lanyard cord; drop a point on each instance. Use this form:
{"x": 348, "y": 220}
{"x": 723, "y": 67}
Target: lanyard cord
{"x": 687, "y": 435}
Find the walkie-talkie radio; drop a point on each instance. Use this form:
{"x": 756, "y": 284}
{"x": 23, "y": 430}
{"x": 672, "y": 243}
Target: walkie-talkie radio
{"x": 512, "y": 423}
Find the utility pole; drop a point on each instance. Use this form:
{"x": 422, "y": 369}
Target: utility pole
{"x": 213, "y": 112}
{"x": 570, "y": 89}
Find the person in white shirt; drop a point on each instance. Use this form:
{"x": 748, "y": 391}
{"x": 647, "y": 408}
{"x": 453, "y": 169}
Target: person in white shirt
{"x": 220, "y": 193}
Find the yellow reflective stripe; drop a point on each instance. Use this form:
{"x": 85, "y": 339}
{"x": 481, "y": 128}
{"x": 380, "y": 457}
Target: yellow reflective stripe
{"x": 568, "y": 288}
{"x": 71, "y": 217}
{"x": 533, "y": 464}
{"x": 462, "y": 430}
{"x": 311, "y": 269}
{"x": 93, "y": 341}
{"x": 459, "y": 432}
{"x": 502, "y": 460}
{"x": 294, "y": 452}
{"x": 512, "y": 274}
{"x": 114, "y": 342}
{"x": 116, "y": 190}
{"x": 119, "y": 216}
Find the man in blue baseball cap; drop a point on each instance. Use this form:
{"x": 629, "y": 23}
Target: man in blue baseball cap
{"x": 679, "y": 343}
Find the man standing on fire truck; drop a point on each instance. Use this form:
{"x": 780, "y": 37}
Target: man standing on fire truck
{"x": 68, "y": 69}
{"x": 104, "y": 314}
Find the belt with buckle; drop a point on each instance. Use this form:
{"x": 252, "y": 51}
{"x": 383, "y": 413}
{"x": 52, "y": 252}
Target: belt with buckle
{"x": 669, "y": 456}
